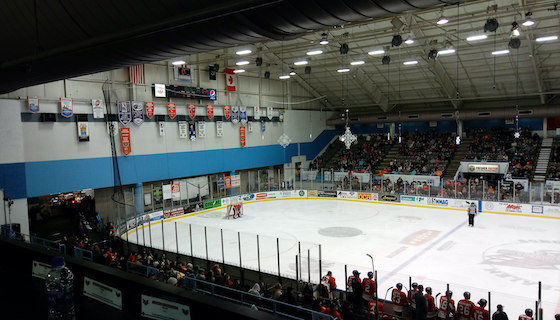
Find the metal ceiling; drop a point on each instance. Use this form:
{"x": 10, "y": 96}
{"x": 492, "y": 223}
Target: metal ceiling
{"x": 56, "y": 39}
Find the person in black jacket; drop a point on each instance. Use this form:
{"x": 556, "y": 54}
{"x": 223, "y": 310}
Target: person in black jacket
{"x": 421, "y": 310}
{"x": 499, "y": 314}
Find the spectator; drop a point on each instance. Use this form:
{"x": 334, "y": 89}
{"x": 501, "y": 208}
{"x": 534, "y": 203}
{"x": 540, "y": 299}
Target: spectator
{"x": 421, "y": 310}
{"x": 288, "y": 296}
{"x": 276, "y": 291}
{"x": 256, "y": 290}
{"x": 499, "y": 314}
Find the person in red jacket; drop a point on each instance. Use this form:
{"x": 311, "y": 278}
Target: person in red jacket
{"x": 527, "y": 316}
{"x": 371, "y": 307}
{"x": 369, "y": 288}
{"x": 432, "y": 310}
{"x": 465, "y": 307}
{"x": 446, "y": 305}
{"x": 398, "y": 297}
{"x": 479, "y": 312}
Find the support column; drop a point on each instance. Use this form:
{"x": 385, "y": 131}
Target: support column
{"x": 392, "y": 129}
{"x": 139, "y": 198}
{"x": 460, "y": 128}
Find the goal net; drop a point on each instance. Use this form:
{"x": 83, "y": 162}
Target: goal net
{"x": 234, "y": 210}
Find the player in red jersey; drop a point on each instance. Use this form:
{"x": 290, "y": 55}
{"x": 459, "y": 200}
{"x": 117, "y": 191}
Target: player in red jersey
{"x": 465, "y": 307}
{"x": 446, "y": 305}
{"x": 371, "y": 307}
{"x": 398, "y": 297}
{"x": 479, "y": 312}
{"x": 411, "y": 293}
{"x": 236, "y": 210}
{"x": 432, "y": 310}
{"x": 369, "y": 288}
{"x": 527, "y": 316}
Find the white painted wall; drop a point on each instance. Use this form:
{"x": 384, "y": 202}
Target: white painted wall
{"x": 11, "y": 134}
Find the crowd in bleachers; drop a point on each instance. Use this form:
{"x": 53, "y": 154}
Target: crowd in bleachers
{"x": 553, "y": 170}
{"x": 365, "y": 155}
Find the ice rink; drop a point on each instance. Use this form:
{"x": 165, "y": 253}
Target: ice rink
{"x": 504, "y": 254}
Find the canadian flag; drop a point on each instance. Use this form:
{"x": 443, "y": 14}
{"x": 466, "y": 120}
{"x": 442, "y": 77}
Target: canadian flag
{"x": 231, "y": 80}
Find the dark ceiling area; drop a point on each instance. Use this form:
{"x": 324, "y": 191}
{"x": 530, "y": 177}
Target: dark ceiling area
{"x": 52, "y": 40}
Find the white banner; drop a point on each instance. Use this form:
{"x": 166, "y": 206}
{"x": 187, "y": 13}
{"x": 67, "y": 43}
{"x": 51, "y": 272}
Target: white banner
{"x": 301, "y": 193}
{"x": 103, "y": 293}
{"x": 236, "y": 181}
{"x": 347, "y": 195}
{"x": 176, "y": 191}
{"x": 219, "y": 128}
{"x": 414, "y": 199}
{"x": 484, "y": 168}
{"x": 183, "y": 132}
{"x": 40, "y": 270}
{"x": 256, "y": 113}
{"x": 269, "y": 111}
{"x": 83, "y": 131}
{"x": 202, "y": 129}
{"x": 166, "y": 189}
{"x": 156, "y": 308}
{"x": 159, "y": 90}
{"x": 250, "y": 126}
{"x": 161, "y": 128}
{"x": 113, "y": 126}
{"x": 183, "y": 187}
{"x": 97, "y": 105}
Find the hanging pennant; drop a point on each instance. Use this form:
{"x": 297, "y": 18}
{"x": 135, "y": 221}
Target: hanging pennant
{"x": 210, "y": 111}
{"x": 263, "y": 128}
{"x": 231, "y": 80}
{"x": 250, "y": 126}
{"x": 83, "y": 131}
{"x": 183, "y": 132}
{"x": 137, "y": 112}
{"x": 33, "y": 104}
{"x": 149, "y": 109}
{"x": 66, "y": 107}
{"x": 192, "y": 131}
{"x": 243, "y": 115}
{"x": 227, "y": 112}
{"x": 234, "y": 115}
{"x": 125, "y": 114}
{"x": 242, "y": 136}
{"x": 125, "y": 141}
{"x": 161, "y": 128}
{"x": 171, "y": 110}
{"x": 192, "y": 110}
{"x": 113, "y": 128}
{"x": 256, "y": 113}
{"x": 97, "y": 105}
{"x": 219, "y": 128}
{"x": 269, "y": 112}
{"x": 201, "y": 129}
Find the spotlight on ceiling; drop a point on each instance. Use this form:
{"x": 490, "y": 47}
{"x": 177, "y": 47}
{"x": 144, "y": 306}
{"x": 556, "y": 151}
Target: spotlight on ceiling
{"x": 409, "y": 40}
{"x": 293, "y": 72}
{"x": 267, "y": 74}
{"x": 357, "y": 62}
{"x": 528, "y": 21}
{"x": 324, "y": 40}
{"x": 258, "y": 61}
{"x": 396, "y": 41}
{"x": 410, "y": 62}
{"x": 307, "y": 70}
{"x": 386, "y": 60}
{"x": 376, "y": 52}
{"x": 442, "y": 20}
{"x": 514, "y": 43}
{"x": 477, "y": 37}
{"x": 301, "y": 63}
{"x": 515, "y": 31}
{"x": 432, "y": 54}
{"x": 547, "y": 38}
{"x": 344, "y": 48}
{"x": 314, "y": 52}
{"x": 238, "y": 70}
{"x": 243, "y": 52}
{"x": 242, "y": 63}
{"x": 491, "y": 25}
{"x": 284, "y": 77}
{"x": 341, "y": 70}
{"x": 178, "y": 62}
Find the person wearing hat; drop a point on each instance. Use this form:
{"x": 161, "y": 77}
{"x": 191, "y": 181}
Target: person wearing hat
{"x": 500, "y": 314}
{"x": 354, "y": 277}
{"x": 472, "y": 212}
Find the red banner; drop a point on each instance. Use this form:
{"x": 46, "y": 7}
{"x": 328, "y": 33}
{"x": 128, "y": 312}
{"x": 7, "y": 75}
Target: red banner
{"x": 125, "y": 141}
{"x": 227, "y": 112}
{"x": 230, "y": 80}
{"x": 227, "y": 182}
{"x": 149, "y": 109}
{"x": 192, "y": 110}
{"x": 210, "y": 111}
{"x": 242, "y": 136}
{"x": 171, "y": 110}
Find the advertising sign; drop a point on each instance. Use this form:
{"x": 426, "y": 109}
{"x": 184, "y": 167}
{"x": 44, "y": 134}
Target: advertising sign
{"x": 103, "y": 293}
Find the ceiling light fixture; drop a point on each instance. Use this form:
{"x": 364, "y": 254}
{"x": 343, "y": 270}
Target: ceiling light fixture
{"x": 500, "y": 52}
{"x": 547, "y": 38}
{"x": 396, "y": 41}
{"x": 442, "y": 20}
{"x": 528, "y": 21}
{"x": 293, "y": 72}
{"x": 238, "y": 70}
{"x": 446, "y": 51}
{"x": 283, "y": 77}
{"x": 324, "y": 40}
{"x": 357, "y": 63}
{"x": 242, "y": 63}
{"x": 514, "y": 43}
{"x": 376, "y": 52}
{"x": 491, "y": 25}
{"x": 432, "y": 54}
{"x": 515, "y": 32}
{"x": 410, "y": 62}
{"x": 301, "y": 63}
{"x": 386, "y": 60}
{"x": 178, "y": 62}
{"x": 314, "y": 52}
{"x": 344, "y": 48}
{"x": 243, "y": 52}
{"x": 477, "y": 37}
{"x": 409, "y": 40}
{"x": 258, "y": 61}
{"x": 343, "y": 70}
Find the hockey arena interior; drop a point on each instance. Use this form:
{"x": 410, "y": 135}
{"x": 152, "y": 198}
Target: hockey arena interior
{"x": 365, "y": 159}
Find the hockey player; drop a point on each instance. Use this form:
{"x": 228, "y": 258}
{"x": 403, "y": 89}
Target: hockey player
{"x": 398, "y": 297}
{"x": 472, "y": 212}
{"x": 369, "y": 288}
{"x": 351, "y": 279}
{"x": 325, "y": 287}
{"x": 371, "y": 307}
{"x": 236, "y": 210}
{"x": 465, "y": 307}
{"x": 432, "y": 310}
{"x": 446, "y": 305}
{"x": 527, "y": 316}
{"x": 410, "y": 295}
{"x": 479, "y": 312}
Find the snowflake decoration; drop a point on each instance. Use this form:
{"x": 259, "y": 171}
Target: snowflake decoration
{"x": 348, "y": 138}
{"x": 284, "y": 140}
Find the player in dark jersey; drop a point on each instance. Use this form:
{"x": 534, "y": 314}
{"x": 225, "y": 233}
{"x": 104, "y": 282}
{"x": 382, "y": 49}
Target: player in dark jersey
{"x": 527, "y": 316}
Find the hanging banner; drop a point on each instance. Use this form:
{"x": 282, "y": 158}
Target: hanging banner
{"x": 66, "y": 107}
{"x": 125, "y": 114}
{"x": 159, "y": 90}
{"x": 250, "y": 126}
{"x": 192, "y": 131}
{"x": 243, "y": 115}
{"x": 192, "y": 110}
{"x": 256, "y": 113}
{"x": 83, "y": 131}
{"x": 113, "y": 127}
{"x": 33, "y": 104}
{"x": 125, "y": 141}
{"x": 166, "y": 189}
{"x": 227, "y": 182}
{"x": 183, "y": 73}
{"x": 183, "y": 133}
{"x": 212, "y": 94}
{"x": 236, "y": 181}
{"x": 202, "y": 129}
{"x": 263, "y": 126}
{"x": 227, "y": 112}
{"x": 176, "y": 191}
{"x": 210, "y": 111}
{"x": 156, "y": 308}
{"x": 235, "y": 115}
{"x": 103, "y": 293}
{"x": 137, "y": 112}
{"x": 231, "y": 80}
{"x": 149, "y": 109}
{"x": 171, "y": 110}
{"x": 219, "y": 128}
{"x": 97, "y": 105}
{"x": 269, "y": 112}
{"x": 161, "y": 128}
{"x": 242, "y": 136}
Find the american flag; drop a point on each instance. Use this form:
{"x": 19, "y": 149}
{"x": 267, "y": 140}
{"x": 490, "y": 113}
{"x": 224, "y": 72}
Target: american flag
{"x": 136, "y": 74}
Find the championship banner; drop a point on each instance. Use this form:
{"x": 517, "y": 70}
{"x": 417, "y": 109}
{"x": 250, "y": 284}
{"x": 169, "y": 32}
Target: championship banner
{"x": 231, "y": 80}
{"x": 192, "y": 110}
{"x": 125, "y": 141}
{"x": 250, "y": 126}
{"x": 183, "y": 133}
{"x": 156, "y": 308}
{"x": 210, "y": 111}
{"x": 83, "y": 131}
{"x": 256, "y": 113}
{"x": 192, "y": 131}
{"x": 242, "y": 136}
{"x": 125, "y": 114}
{"x": 149, "y": 109}
{"x": 234, "y": 115}
{"x": 227, "y": 112}
{"x": 161, "y": 128}
{"x": 243, "y": 115}
{"x": 137, "y": 112}
{"x": 66, "y": 107}
{"x": 269, "y": 112}
{"x": 202, "y": 129}
{"x": 97, "y": 105}
{"x": 33, "y": 104}
{"x": 171, "y": 110}
{"x": 219, "y": 128}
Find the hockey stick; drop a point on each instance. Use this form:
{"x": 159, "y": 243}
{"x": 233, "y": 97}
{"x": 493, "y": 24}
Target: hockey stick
{"x": 435, "y": 300}
{"x": 372, "y": 268}
{"x": 387, "y": 292}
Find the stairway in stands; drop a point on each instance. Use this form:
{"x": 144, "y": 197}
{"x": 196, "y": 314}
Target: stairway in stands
{"x": 392, "y": 154}
{"x": 542, "y": 162}
{"x": 461, "y": 151}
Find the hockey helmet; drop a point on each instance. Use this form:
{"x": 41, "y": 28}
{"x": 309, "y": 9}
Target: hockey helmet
{"x": 449, "y": 293}
{"x": 370, "y": 274}
{"x": 429, "y": 290}
{"x": 482, "y": 303}
{"x": 557, "y": 316}
{"x": 467, "y": 295}
{"x": 529, "y": 312}
{"x": 355, "y": 272}
{"x": 399, "y": 286}
{"x": 414, "y": 284}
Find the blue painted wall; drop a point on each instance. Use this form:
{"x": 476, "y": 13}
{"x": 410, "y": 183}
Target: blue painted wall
{"x": 12, "y": 177}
